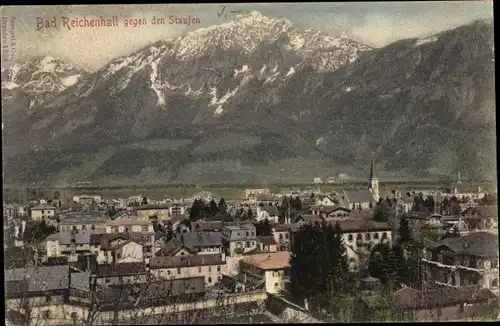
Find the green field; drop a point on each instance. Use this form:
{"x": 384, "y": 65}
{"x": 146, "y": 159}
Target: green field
{"x": 20, "y": 195}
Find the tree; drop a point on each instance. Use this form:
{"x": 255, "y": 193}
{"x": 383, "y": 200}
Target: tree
{"x": 144, "y": 201}
{"x": 57, "y": 195}
{"x": 384, "y": 265}
{"x": 319, "y": 267}
{"x": 249, "y": 214}
{"x": 213, "y": 208}
{"x": 169, "y": 235}
{"x": 263, "y": 228}
{"x": 197, "y": 210}
{"x": 383, "y": 212}
{"x": 222, "y": 206}
{"x": 296, "y": 203}
{"x": 405, "y": 235}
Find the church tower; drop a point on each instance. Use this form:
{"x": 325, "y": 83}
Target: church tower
{"x": 374, "y": 181}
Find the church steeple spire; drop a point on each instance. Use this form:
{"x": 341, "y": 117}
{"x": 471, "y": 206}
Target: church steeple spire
{"x": 374, "y": 180}
{"x": 372, "y": 167}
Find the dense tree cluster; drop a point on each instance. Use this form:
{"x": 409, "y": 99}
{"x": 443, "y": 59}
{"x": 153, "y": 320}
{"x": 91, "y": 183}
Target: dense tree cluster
{"x": 36, "y": 232}
{"x": 319, "y": 268}
{"x": 399, "y": 264}
{"x": 212, "y": 211}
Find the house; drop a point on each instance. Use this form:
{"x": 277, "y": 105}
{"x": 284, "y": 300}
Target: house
{"x": 267, "y": 244}
{"x": 128, "y": 225}
{"x": 324, "y": 200}
{"x": 121, "y": 214}
{"x": 87, "y": 198}
{"x": 319, "y": 210}
{"x": 272, "y": 268}
{"x": 471, "y": 259}
{"x": 252, "y": 192}
{"x": 174, "y": 247}
{"x": 210, "y": 266}
{"x": 109, "y": 247}
{"x": 42, "y": 212}
{"x": 68, "y": 244}
{"x": 481, "y": 217}
{"x": 119, "y": 274}
{"x": 144, "y": 212}
{"x": 176, "y": 209}
{"x": 83, "y": 221}
{"x": 207, "y": 226}
{"x": 238, "y": 239}
{"x": 202, "y": 243}
{"x": 268, "y": 212}
{"x": 283, "y": 233}
{"x": 442, "y": 303}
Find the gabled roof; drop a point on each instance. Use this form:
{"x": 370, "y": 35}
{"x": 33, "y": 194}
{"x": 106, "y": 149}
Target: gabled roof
{"x": 201, "y": 239}
{"x": 42, "y": 278}
{"x": 479, "y": 244}
{"x": 271, "y": 210}
{"x": 358, "y": 196}
{"x": 446, "y": 296}
{"x": 269, "y": 261}
{"x": 186, "y": 261}
{"x": 309, "y": 218}
{"x": 171, "y": 248}
{"x": 120, "y": 269}
{"x": 361, "y": 225}
{"x": 64, "y": 238}
{"x": 42, "y": 206}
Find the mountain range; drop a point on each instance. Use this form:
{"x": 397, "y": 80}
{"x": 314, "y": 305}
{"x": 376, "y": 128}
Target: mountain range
{"x": 255, "y": 100}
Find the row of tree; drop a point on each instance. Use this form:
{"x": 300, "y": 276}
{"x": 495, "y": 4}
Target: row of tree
{"x": 212, "y": 210}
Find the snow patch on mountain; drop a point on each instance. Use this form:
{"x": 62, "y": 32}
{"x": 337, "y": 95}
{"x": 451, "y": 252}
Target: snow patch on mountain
{"x": 243, "y": 69}
{"x": 70, "y": 80}
{"x": 290, "y": 72}
{"x": 153, "y": 78}
{"x": 218, "y": 111}
{"x": 223, "y": 99}
{"x": 425, "y": 40}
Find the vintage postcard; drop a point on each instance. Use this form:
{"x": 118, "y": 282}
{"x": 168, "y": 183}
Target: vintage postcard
{"x": 249, "y": 163}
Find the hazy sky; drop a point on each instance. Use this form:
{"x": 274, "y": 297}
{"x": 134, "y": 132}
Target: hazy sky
{"x": 375, "y": 24}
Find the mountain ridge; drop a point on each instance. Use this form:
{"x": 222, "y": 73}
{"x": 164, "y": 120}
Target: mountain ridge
{"x": 249, "y": 116}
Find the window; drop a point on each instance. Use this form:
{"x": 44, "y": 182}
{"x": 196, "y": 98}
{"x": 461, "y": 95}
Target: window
{"x": 74, "y": 316}
{"x": 43, "y": 212}
{"x": 375, "y": 236}
{"x": 384, "y": 235}
{"x": 494, "y": 263}
{"x": 350, "y": 238}
{"x": 209, "y": 280}
{"x": 247, "y": 244}
{"x": 93, "y": 227}
{"x": 494, "y": 283}
{"x": 247, "y": 234}
{"x": 359, "y": 237}
{"x": 178, "y": 271}
{"x": 209, "y": 269}
{"x": 168, "y": 272}
{"x": 48, "y": 299}
{"x": 199, "y": 269}
{"x": 281, "y": 236}
{"x": 46, "y": 314}
{"x": 218, "y": 268}
{"x": 367, "y": 236}
{"x": 276, "y": 285}
{"x": 287, "y": 236}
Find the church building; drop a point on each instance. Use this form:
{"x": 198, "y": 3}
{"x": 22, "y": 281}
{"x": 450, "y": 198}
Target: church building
{"x": 363, "y": 199}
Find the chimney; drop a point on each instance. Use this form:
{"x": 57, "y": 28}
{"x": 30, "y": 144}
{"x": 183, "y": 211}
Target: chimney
{"x": 88, "y": 263}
